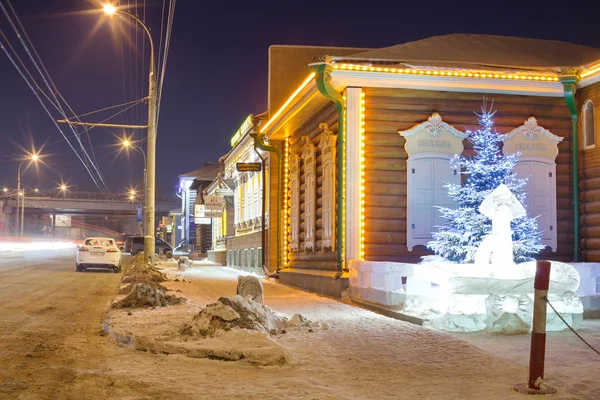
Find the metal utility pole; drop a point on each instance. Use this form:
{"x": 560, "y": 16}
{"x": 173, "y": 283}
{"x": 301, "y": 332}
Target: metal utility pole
{"x": 22, "y": 212}
{"x": 149, "y": 240}
{"x": 149, "y": 209}
{"x": 18, "y": 201}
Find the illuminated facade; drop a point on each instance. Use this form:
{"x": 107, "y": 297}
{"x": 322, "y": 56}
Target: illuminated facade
{"x": 362, "y": 200}
{"x": 243, "y": 169}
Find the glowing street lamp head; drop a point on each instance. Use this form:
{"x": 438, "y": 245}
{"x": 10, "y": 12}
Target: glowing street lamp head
{"x": 109, "y": 9}
{"x": 35, "y": 157}
{"x": 131, "y": 197}
{"x": 63, "y": 187}
{"x": 5, "y": 190}
{"x": 132, "y": 192}
{"x": 126, "y": 143}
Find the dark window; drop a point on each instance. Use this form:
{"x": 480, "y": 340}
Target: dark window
{"x": 589, "y": 134}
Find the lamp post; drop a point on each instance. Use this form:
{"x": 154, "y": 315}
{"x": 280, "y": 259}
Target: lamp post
{"x": 149, "y": 240}
{"x": 128, "y": 144}
{"x": 32, "y": 158}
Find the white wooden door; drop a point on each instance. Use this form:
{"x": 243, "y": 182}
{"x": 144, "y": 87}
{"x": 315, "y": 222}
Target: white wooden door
{"x": 427, "y": 180}
{"x": 540, "y": 200}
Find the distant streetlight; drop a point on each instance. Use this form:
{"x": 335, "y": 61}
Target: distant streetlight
{"x": 5, "y": 190}
{"x": 63, "y": 187}
{"x": 33, "y": 157}
{"x": 150, "y": 180}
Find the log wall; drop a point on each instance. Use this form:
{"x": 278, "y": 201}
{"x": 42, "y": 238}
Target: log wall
{"x": 388, "y": 110}
{"x": 320, "y": 258}
{"x": 589, "y": 180}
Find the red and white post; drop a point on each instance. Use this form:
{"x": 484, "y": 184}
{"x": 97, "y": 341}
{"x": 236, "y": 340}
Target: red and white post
{"x": 538, "y": 334}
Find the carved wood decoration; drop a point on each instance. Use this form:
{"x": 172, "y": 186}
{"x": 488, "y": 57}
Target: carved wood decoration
{"x": 327, "y": 146}
{"x": 295, "y": 202}
{"x": 538, "y": 149}
{"x": 430, "y": 146}
{"x": 310, "y": 196}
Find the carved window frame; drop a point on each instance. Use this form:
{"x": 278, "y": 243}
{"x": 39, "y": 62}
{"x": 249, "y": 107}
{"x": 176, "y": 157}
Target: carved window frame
{"x": 327, "y": 146}
{"x": 295, "y": 202}
{"x": 237, "y": 196}
{"x": 310, "y": 194}
{"x": 588, "y": 124}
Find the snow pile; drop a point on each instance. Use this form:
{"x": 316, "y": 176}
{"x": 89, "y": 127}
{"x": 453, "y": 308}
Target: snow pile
{"x": 140, "y": 271}
{"x": 144, "y": 294}
{"x": 184, "y": 263}
{"x": 236, "y": 328}
{"x": 234, "y": 312}
{"x": 144, "y": 289}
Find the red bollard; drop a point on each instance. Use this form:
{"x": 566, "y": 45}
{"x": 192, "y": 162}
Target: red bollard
{"x": 538, "y": 334}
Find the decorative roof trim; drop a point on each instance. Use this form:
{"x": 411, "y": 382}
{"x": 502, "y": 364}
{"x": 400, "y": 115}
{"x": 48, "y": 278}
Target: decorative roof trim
{"x": 449, "y": 72}
{"x": 434, "y": 125}
{"x": 447, "y": 83}
{"x": 530, "y": 130}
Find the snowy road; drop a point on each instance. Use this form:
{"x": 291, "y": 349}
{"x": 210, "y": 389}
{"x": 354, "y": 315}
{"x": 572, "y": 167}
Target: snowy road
{"x": 52, "y": 347}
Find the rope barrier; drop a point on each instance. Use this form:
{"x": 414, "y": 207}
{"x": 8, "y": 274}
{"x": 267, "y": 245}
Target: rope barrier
{"x": 569, "y": 326}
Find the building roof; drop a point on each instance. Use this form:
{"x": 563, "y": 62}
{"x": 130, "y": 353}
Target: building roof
{"x": 208, "y": 172}
{"x": 483, "y": 51}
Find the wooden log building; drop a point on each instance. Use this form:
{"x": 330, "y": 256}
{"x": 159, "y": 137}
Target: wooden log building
{"x": 360, "y": 149}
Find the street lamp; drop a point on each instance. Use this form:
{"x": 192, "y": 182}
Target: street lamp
{"x": 34, "y": 157}
{"x": 150, "y": 189}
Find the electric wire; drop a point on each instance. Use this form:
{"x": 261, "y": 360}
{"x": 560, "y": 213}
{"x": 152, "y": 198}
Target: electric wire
{"x": 46, "y": 109}
{"x": 101, "y": 122}
{"x": 54, "y": 91}
{"x": 169, "y": 30}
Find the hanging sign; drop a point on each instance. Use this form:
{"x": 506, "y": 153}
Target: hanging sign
{"x": 248, "y": 167}
{"x": 214, "y": 203}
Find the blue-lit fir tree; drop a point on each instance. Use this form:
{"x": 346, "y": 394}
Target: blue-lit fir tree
{"x": 465, "y": 226}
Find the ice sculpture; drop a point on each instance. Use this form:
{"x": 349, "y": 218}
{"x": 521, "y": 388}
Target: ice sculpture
{"x": 493, "y": 294}
{"x": 501, "y": 206}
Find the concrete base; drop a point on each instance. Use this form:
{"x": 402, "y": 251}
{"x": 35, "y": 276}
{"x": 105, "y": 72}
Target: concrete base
{"x": 524, "y": 388}
{"x": 218, "y": 256}
{"x": 315, "y": 281}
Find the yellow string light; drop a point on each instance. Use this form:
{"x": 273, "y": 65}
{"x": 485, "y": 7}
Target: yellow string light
{"x": 362, "y": 125}
{"x": 469, "y": 74}
{"x": 286, "y": 199}
{"x": 590, "y": 71}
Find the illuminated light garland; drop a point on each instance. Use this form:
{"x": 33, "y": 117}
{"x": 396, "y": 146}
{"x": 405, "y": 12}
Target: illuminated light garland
{"x": 590, "y": 71}
{"x": 486, "y": 75}
{"x": 362, "y": 175}
{"x": 286, "y": 199}
{"x": 288, "y": 101}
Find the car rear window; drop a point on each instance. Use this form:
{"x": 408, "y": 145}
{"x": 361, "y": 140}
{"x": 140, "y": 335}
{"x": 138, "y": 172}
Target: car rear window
{"x": 99, "y": 242}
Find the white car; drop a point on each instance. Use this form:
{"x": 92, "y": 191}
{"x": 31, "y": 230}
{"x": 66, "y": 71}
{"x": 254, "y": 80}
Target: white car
{"x": 98, "y": 252}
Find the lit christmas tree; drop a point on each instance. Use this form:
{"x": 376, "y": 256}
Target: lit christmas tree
{"x": 466, "y": 226}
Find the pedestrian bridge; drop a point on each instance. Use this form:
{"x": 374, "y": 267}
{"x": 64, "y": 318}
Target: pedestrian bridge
{"x": 94, "y": 203}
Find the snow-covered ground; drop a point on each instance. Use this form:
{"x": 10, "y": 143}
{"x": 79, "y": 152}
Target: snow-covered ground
{"x": 362, "y": 355}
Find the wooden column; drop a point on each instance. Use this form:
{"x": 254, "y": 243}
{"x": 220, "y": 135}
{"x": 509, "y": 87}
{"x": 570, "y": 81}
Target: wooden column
{"x": 353, "y": 227}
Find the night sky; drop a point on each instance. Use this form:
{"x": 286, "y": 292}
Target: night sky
{"x": 216, "y": 70}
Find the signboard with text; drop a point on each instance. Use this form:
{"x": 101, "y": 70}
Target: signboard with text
{"x": 63, "y": 220}
{"x": 249, "y": 166}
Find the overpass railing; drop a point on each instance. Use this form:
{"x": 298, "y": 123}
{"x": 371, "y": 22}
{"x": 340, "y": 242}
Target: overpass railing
{"x": 78, "y": 195}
